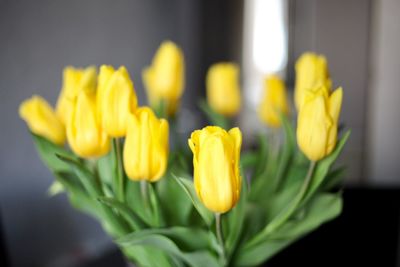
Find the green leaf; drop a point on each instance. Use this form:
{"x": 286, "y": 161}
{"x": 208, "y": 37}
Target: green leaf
{"x": 85, "y": 176}
{"x": 174, "y": 201}
{"x": 147, "y": 256}
{"x": 262, "y": 156}
{"x": 55, "y": 188}
{"x": 235, "y": 220}
{"x": 263, "y": 182}
{"x": 79, "y": 199}
{"x": 259, "y": 254}
{"x": 213, "y": 117}
{"x": 135, "y": 201}
{"x": 105, "y": 167}
{"x": 188, "y": 187}
{"x": 187, "y": 238}
{"x": 287, "y": 154}
{"x": 47, "y": 152}
{"x": 113, "y": 223}
{"x": 280, "y": 199}
{"x": 127, "y": 213}
{"x": 248, "y": 159}
{"x": 199, "y": 258}
{"x": 333, "y": 179}
{"x": 157, "y": 215}
{"x": 323, "y": 167}
{"x": 323, "y": 208}
{"x": 284, "y": 214}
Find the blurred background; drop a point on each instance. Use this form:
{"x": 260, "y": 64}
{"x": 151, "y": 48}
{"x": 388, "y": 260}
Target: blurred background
{"x": 360, "y": 39}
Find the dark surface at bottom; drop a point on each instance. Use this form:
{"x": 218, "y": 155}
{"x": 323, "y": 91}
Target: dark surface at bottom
{"x": 366, "y": 234}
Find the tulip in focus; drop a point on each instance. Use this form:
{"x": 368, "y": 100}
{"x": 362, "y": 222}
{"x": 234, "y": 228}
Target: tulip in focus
{"x": 74, "y": 81}
{"x": 85, "y": 135}
{"x": 116, "y": 99}
{"x": 311, "y": 72}
{"x": 146, "y": 146}
{"x": 223, "y": 89}
{"x": 317, "y": 123}
{"x": 274, "y": 101}
{"x": 216, "y": 156}
{"x": 164, "y": 79}
{"x": 42, "y": 120}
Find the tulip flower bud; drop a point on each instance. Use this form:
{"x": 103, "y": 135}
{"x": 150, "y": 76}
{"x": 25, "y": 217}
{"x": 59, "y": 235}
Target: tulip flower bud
{"x": 216, "y": 155}
{"x": 74, "y": 81}
{"x": 116, "y": 100}
{"x": 311, "y": 73}
{"x": 164, "y": 79}
{"x": 42, "y": 120}
{"x": 223, "y": 89}
{"x": 85, "y": 135}
{"x": 274, "y": 101}
{"x": 317, "y": 123}
{"x": 146, "y": 146}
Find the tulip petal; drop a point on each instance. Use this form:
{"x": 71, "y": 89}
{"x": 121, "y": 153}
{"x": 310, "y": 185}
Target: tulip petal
{"x": 335, "y": 104}
{"x": 85, "y": 135}
{"x": 312, "y": 128}
{"x": 215, "y": 175}
{"x": 42, "y": 120}
{"x": 118, "y": 100}
{"x": 132, "y": 148}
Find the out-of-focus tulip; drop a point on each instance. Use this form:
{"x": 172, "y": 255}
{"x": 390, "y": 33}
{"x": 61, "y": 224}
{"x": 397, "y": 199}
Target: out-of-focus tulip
{"x": 223, "y": 89}
{"x": 146, "y": 146}
{"x": 74, "y": 81}
{"x": 311, "y": 73}
{"x": 116, "y": 99}
{"x": 216, "y": 156}
{"x": 274, "y": 101}
{"x": 164, "y": 79}
{"x": 42, "y": 120}
{"x": 85, "y": 135}
{"x": 317, "y": 123}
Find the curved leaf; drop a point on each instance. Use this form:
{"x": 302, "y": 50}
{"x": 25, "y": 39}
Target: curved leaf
{"x": 188, "y": 187}
{"x": 48, "y": 151}
{"x": 199, "y": 258}
{"x": 324, "y": 165}
{"x": 127, "y": 213}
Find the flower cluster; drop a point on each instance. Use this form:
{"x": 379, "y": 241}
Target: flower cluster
{"x": 119, "y": 167}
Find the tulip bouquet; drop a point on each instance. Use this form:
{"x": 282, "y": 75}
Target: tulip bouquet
{"x": 216, "y": 206}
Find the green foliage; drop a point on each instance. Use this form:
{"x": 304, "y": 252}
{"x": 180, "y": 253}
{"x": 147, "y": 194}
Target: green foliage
{"x": 170, "y": 226}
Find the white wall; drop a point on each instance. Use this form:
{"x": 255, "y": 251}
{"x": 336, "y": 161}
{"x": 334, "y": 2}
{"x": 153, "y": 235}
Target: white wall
{"x": 384, "y": 95}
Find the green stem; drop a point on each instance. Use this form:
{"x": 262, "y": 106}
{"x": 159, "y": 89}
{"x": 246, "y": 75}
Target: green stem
{"x": 283, "y": 217}
{"x": 218, "y": 230}
{"x": 119, "y": 181}
{"x": 144, "y": 193}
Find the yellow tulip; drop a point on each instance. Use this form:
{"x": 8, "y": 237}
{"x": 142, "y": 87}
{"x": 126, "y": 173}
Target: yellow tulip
{"x": 42, "y": 120}
{"x": 317, "y": 123}
{"x": 274, "y": 101}
{"x": 311, "y": 72}
{"x": 74, "y": 81}
{"x": 145, "y": 153}
{"x": 223, "y": 89}
{"x": 85, "y": 135}
{"x": 216, "y": 155}
{"x": 164, "y": 79}
{"x": 116, "y": 100}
